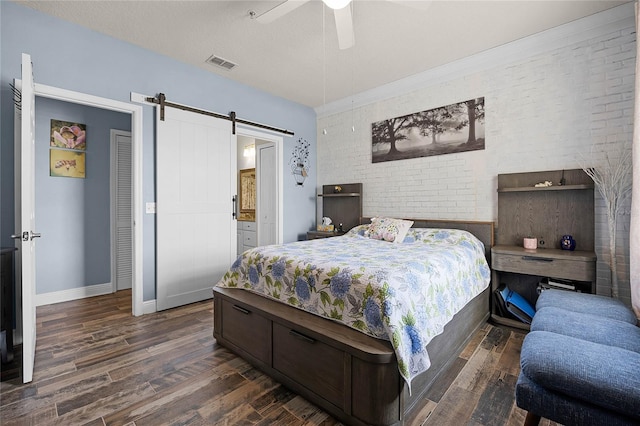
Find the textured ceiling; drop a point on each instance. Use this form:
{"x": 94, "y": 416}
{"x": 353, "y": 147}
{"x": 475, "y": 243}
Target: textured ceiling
{"x": 297, "y": 56}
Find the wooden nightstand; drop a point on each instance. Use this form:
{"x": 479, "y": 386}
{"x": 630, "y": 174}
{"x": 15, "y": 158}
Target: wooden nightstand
{"x": 314, "y": 235}
{"x": 545, "y": 213}
{"x": 344, "y": 208}
{"x": 527, "y": 267}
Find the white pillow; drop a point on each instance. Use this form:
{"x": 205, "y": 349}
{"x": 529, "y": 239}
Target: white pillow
{"x": 388, "y": 229}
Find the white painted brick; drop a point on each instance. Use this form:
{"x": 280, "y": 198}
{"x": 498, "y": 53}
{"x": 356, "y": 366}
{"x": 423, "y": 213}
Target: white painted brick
{"x": 551, "y": 111}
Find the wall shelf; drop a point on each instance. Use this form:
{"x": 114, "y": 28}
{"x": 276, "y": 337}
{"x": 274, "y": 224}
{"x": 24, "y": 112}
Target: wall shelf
{"x": 547, "y": 188}
{"x": 340, "y": 194}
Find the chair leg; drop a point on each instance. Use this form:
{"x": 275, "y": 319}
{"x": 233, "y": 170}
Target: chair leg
{"x": 531, "y": 419}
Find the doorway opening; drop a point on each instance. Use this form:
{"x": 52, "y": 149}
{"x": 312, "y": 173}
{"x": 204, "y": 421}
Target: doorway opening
{"x": 135, "y": 112}
{"x": 265, "y": 153}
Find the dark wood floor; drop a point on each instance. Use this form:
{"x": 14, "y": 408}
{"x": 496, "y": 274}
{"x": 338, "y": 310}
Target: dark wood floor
{"x": 96, "y": 365}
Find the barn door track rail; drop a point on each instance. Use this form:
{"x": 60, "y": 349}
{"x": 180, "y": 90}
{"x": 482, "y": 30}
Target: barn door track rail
{"x": 161, "y": 100}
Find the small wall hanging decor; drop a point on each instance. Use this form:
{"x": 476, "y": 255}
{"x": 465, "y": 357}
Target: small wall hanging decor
{"x": 65, "y": 134}
{"x": 299, "y": 161}
{"x": 66, "y": 163}
{"x": 452, "y": 128}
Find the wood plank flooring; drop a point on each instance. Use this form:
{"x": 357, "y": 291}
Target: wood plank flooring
{"x": 98, "y": 365}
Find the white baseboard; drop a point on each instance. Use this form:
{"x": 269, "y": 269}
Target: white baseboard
{"x": 149, "y": 307}
{"x": 73, "y": 294}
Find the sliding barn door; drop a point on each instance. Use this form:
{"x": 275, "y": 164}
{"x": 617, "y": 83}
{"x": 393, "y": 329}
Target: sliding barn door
{"x": 196, "y": 181}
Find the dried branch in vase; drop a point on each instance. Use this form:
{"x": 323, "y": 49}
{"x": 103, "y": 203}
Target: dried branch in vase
{"x": 613, "y": 178}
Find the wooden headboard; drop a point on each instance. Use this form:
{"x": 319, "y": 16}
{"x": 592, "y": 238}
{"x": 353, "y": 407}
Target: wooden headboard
{"x": 484, "y": 231}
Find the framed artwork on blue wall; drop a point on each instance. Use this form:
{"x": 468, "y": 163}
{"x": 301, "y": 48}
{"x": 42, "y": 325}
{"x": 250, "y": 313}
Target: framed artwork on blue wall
{"x": 67, "y": 163}
{"x": 65, "y": 134}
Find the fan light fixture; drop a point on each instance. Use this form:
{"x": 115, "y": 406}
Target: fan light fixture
{"x": 336, "y": 4}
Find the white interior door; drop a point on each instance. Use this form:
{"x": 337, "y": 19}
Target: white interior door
{"x": 267, "y": 188}
{"x": 196, "y": 179}
{"x": 25, "y": 220}
{"x": 121, "y": 211}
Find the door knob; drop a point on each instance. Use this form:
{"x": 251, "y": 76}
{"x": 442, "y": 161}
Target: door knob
{"x": 24, "y": 236}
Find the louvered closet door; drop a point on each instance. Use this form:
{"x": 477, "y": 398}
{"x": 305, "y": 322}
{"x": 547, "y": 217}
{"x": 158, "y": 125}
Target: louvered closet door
{"x": 195, "y": 181}
{"x": 122, "y": 209}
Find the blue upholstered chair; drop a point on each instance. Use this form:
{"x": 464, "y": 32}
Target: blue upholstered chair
{"x": 580, "y": 363}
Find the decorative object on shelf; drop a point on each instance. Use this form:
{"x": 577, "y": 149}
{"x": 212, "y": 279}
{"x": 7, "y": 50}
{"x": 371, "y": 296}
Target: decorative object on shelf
{"x": 300, "y": 161}
{"x": 544, "y": 184}
{"x": 567, "y": 243}
{"x": 613, "y": 178}
{"x": 337, "y": 189}
{"x": 530, "y": 243}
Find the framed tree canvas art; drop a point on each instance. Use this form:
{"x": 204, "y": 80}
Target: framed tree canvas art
{"x": 452, "y": 128}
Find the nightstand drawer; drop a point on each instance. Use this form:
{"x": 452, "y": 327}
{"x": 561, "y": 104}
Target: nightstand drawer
{"x": 543, "y": 265}
{"x": 315, "y": 235}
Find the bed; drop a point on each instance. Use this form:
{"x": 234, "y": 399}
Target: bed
{"x": 342, "y": 321}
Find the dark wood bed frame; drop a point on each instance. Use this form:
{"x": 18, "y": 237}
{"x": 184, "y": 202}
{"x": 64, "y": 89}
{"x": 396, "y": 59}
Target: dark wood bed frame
{"x": 352, "y": 376}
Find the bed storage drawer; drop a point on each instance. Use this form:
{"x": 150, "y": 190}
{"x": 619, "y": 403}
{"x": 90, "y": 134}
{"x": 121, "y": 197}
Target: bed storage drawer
{"x": 316, "y": 365}
{"x": 247, "y": 329}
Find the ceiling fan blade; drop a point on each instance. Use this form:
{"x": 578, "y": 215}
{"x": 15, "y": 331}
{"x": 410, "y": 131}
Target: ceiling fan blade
{"x": 344, "y": 26}
{"x": 279, "y": 11}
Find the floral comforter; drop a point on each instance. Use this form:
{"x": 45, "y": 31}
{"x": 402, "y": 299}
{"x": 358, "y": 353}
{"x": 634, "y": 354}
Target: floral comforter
{"x": 404, "y": 293}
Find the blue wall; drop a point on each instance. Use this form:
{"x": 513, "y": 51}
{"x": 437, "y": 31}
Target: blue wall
{"x": 73, "y": 215}
{"x": 107, "y": 67}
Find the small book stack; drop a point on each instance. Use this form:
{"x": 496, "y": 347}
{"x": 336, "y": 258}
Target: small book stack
{"x": 557, "y": 284}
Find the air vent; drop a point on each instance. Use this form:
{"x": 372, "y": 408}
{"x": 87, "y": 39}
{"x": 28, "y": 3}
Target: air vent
{"x": 220, "y": 62}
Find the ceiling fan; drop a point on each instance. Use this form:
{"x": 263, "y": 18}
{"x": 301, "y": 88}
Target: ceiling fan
{"x": 341, "y": 12}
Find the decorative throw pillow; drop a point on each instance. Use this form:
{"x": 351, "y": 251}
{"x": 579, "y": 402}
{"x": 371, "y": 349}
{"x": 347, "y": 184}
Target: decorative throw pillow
{"x": 388, "y": 229}
{"x": 358, "y": 230}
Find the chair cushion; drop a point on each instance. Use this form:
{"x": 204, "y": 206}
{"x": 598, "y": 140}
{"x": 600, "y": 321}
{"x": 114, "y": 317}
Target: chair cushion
{"x": 606, "y": 376}
{"x": 586, "y": 303}
{"x": 589, "y": 327}
{"x": 563, "y": 409}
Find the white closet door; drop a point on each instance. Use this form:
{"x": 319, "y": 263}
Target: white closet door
{"x": 123, "y": 241}
{"x": 196, "y": 180}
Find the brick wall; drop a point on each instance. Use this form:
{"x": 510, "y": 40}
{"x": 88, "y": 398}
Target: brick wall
{"x": 554, "y": 100}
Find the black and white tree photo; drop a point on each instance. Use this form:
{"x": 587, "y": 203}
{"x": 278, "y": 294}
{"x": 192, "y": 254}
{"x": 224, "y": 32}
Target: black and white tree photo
{"x": 452, "y": 128}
